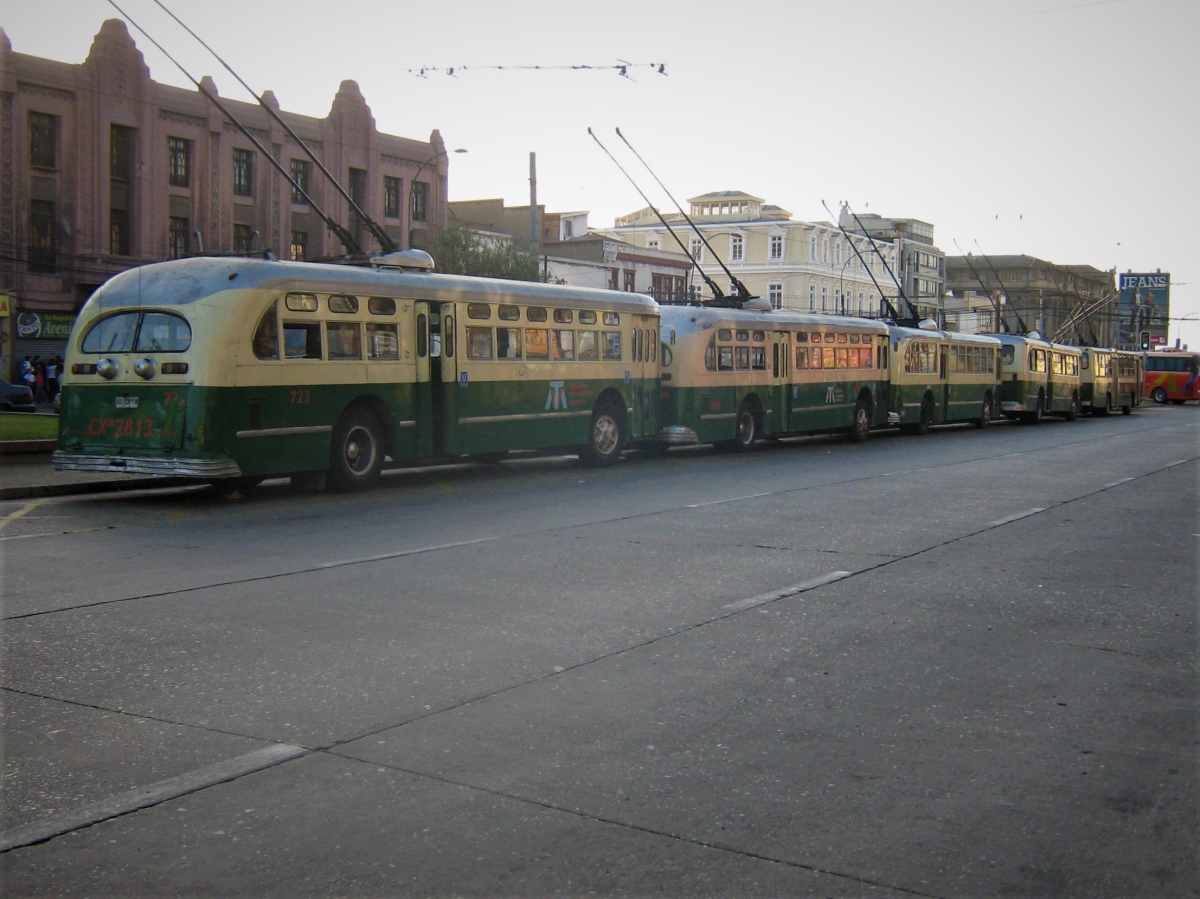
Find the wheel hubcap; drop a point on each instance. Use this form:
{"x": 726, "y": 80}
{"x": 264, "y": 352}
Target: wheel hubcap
{"x": 746, "y": 428}
{"x": 359, "y": 451}
{"x": 605, "y": 435}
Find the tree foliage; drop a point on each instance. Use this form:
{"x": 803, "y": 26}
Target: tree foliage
{"x": 460, "y": 251}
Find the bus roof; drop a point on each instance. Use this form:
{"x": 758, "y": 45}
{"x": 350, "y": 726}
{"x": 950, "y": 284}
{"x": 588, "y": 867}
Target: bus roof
{"x": 180, "y": 282}
{"x": 934, "y": 334}
{"x": 686, "y": 319}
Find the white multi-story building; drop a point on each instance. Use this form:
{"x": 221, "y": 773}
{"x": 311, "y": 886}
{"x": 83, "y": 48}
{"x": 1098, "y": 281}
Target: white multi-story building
{"x": 806, "y": 266}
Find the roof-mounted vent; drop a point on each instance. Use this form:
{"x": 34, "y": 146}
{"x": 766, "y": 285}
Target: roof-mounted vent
{"x": 929, "y": 325}
{"x": 405, "y": 260}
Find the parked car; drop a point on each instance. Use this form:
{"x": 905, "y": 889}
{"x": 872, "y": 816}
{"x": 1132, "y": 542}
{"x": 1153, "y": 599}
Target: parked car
{"x": 16, "y": 398}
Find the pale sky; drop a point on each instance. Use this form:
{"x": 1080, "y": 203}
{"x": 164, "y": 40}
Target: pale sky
{"x": 1063, "y": 129}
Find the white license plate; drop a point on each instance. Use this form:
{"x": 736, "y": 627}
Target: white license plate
{"x": 127, "y": 402}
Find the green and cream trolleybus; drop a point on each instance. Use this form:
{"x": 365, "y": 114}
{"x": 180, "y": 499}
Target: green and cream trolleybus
{"x": 1109, "y": 379}
{"x": 942, "y": 377}
{"x": 240, "y": 368}
{"x": 732, "y": 376}
{"x": 1038, "y": 378}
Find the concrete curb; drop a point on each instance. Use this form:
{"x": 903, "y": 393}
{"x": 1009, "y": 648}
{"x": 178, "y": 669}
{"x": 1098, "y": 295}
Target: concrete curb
{"x": 28, "y": 446}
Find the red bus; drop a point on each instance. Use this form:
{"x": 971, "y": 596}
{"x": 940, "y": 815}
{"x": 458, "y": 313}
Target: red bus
{"x": 1172, "y": 376}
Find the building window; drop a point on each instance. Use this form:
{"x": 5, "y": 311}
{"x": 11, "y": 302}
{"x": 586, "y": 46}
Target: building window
{"x": 418, "y": 202}
{"x": 652, "y": 244}
{"x": 120, "y": 171}
{"x": 568, "y": 229}
{"x": 391, "y": 197}
{"x": 43, "y": 140}
{"x": 243, "y": 173}
{"x": 776, "y": 246}
{"x": 302, "y": 175}
{"x": 242, "y": 236}
{"x": 812, "y": 249}
{"x": 824, "y": 299}
{"x": 630, "y": 280}
{"x": 775, "y": 293}
{"x": 735, "y": 248}
{"x": 41, "y": 236}
{"x": 299, "y": 246}
{"x": 177, "y": 237}
{"x": 812, "y": 297}
{"x": 697, "y": 249}
{"x": 612, "y": 278}
{"x": 179, "y": 152}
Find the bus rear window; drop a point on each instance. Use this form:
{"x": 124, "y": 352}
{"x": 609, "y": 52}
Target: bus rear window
{"x": 1009, "y": 353}
{"x": 162, "y": 332}
{"x": 113, "y": 334}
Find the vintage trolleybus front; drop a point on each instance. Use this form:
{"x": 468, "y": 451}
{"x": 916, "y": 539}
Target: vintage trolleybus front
{"x": 732, "y": 376}
{"x": 219, "y": 368}
{"x": 940, "y": 377}
{"x": 1038, "y": 378}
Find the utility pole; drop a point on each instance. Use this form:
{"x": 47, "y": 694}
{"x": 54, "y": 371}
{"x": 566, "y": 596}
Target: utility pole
{"x": 533, "y": 216}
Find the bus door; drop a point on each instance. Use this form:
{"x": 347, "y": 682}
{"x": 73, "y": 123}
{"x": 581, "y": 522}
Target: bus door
{"x": 643, "y": 353}
{"x": 947, "y": 388}
{"x": 781, "y": 377}
{"x": 422, "y": 391}
{"x": 446, "y": 388}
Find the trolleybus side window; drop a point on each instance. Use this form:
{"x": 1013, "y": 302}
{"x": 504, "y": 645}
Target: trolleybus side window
{"x": 479, "y": 342}
{"x": 725, "y": 358}
{"x": 537, "y": 344}
{"x": 381, "y": 306}
{"x": 383, "y": 341}
{"x": 741, "y": 356}
{"x": 508, "y": 341}
{"x": 113, "y": 334}
{"x": 422, "y": 336}
{"x": 710, "y": 356}
{"x": 588, "y": 349}
{"x": 448, "y": 336}
{"x": 163, "y": 332}
{"x": 758, "y": 358}
{"x": 563, "y": 343}
{"x": 344, "y": 305}
{"x": 302, "y": 340}
{"x": 301, "y": 302}
{"x": 481, "y": 311}
{"x": 612, "y": 318}
{"x": 724, "y": 334}
{"x": 587, "y": 317}
{"x": 1009, "y": 353}
{"x": 563, "y": 316}
{"x": 536, "y": 314}
{"x": 509, "y": 313}
{"x": 801, "y": 358}
{"x": 344, "y": 340}
{"x": 266, "y": 335}
{"x": 612, "y": 344}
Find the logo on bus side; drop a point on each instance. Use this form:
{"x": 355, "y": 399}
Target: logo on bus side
{"x": 557, "y": 397}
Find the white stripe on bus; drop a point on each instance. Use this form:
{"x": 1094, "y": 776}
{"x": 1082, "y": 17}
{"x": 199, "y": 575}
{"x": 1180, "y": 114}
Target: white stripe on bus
{"x": 714, "y": 416}
{"x": 492, "y": 419}
{"x": 286, "y": 432}
{"x": 826, "y": 406}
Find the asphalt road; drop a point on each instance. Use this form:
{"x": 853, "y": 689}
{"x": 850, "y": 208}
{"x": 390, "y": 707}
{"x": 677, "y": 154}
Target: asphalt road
{"x": 955, "y": 666}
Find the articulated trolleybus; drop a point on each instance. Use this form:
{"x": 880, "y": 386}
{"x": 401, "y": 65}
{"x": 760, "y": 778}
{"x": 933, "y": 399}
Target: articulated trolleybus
{"x": 234, "y": 368}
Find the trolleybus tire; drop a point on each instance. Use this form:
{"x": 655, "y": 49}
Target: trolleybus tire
{"x": 1177, "y": 402}
{"x": 1035, "y": 417}
{"x": 1127, "y": 409}
{"x": 606, "y": 436}
{"x": 1073, "y": 410}
{"x": 746, "y": 433}
{"x": 356, "y": 453}
{"x": 985, "y": 414}
{"x": 861, "y": 428}
{"x": 1159, "y": 396}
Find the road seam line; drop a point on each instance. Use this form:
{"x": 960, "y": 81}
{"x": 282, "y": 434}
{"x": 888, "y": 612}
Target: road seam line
{"x": 145, "y": 797}
{"x": 763, "y": 598}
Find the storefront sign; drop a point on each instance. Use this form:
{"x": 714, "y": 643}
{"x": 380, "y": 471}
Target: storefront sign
{"x": 44, "y": 325}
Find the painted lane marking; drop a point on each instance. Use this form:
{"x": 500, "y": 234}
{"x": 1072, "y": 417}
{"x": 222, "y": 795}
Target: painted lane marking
{"x": 403, "y": 552}
{"x": 1011, "y": 518}
{"x": 762, "y": 599}
{"x": 1117, "y": 483}
{"x": 144, "y": 797}
{"x": 24, "y": 510}
{"x": 721, "y": 502}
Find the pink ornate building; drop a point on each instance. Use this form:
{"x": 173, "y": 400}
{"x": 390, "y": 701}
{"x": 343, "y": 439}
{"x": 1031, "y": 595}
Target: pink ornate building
{"x": 102, "y": 169}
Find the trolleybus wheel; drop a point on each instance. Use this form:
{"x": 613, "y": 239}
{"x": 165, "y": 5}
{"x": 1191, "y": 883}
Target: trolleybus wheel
{"x": 1127, "y": 409}
{"x": 985, "y": 414}
{"x": 862, "y": 422}
{"x": 1159, "y": 396}
{"x": 356, "y": 455}
{"x": 1035, "y": 417}
{"x": 606, "y": 436}
{"x": 1073, "y": 410}
{"x": 747, "y": 428}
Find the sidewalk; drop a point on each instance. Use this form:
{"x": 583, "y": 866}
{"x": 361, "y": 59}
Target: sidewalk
{"x": 30, "y": 474}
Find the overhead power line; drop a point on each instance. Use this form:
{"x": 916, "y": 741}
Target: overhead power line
{"x": 620, "y": 67}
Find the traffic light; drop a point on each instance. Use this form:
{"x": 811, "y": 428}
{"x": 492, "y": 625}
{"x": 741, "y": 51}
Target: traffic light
{"x": 1145, "y": 341}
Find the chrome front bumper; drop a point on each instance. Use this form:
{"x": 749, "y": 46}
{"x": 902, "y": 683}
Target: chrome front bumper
{"x": 166, "y": 468}
{"x": 677, "y": 435}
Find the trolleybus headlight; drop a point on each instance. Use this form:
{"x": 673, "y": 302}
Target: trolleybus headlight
{"x": 145, "y": 368}
{"x": 108, "y": 368}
